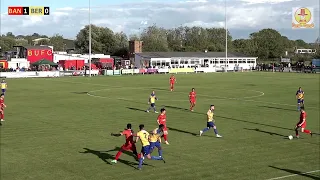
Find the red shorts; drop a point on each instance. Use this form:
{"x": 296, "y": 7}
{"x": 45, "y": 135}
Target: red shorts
{"x": 303, "y": 125}
{"x": 192, "y": 101}
{"x": 129, "y": 147}
{"x": 165, "y": 130}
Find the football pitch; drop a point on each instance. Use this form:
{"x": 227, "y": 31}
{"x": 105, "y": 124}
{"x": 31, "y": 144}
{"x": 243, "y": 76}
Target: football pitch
{"x": 59, "y": 128}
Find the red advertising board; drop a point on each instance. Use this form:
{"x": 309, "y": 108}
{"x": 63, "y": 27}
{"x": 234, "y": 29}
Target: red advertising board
{"x": 68, "y": 64}
{"x": 34, "y": 55}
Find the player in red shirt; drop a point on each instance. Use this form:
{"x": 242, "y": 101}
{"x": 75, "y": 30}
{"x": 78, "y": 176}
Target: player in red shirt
{"x": 302, "y": 123}
{"x": 162, "y": 119}
{"x": 2, "y": 106}
{"x": 192, "y": 99}
{"x": 172, "y": 81}
{"x": 129, "y": 145}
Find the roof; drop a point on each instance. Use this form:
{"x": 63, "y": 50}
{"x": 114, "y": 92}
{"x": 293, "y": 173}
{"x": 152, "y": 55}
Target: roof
{"x": 188, "y": 54}
{"x": 37, "y": 47}
{"x": 39, "y": 39}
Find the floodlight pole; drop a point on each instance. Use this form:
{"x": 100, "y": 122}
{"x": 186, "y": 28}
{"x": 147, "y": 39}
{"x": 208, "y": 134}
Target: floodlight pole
{"x": 89, "y": 38}
{"x": 226, "y": 28}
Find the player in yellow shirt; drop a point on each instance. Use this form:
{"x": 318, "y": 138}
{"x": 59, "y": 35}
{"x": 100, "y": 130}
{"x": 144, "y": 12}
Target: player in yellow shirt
{"x": 3, "y": 86}
{"x": 210, "y": 122}
{"x": 300, "y": 98}
{"x": 152, "y": 102}
{"x": 143, "y": 136}
{"x": 155, "y": 139}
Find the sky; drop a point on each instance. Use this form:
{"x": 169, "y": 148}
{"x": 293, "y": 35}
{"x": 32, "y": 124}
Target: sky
{"x": 131, "y": 16}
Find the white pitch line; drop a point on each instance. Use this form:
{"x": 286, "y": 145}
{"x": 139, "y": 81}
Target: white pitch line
{"x": 247, "y": 99}
{"x": 282, "y": 177}
{"x": 219, "y": 97}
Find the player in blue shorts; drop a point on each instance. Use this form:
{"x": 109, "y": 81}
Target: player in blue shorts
{"x": 3, "y": 86}
{"x": 155, "y": 139}
{"x": 210, "y": 122}
{"x": 152, "y": 102}
{"x": 143, "y": 136}
{"x": 300, "y": 98}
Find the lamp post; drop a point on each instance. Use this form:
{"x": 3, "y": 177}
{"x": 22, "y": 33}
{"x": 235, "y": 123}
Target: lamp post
{"x": 226, "y": 28}
{"x": 89, "y": 38}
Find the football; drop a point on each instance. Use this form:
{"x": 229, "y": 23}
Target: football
{"x": 290, "y": 137}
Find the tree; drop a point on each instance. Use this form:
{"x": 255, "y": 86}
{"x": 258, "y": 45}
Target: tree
{"x": 176, "y": 38}
{"x": 6, "y": 43}
{"x": 154, "y": 39}
{"x": 21, "y": 42}
{"x": 268, "y": 43}
{"x": 134, "y": 37}
{"x": 57, "y": 42}
{"x": 244, "y": 46}
{"x": 121, "y": 44}
{"x": 300, "y": 44}
{"x": 102, "y": 40}
{"x": 10, "y": 34}
{"x": 217, "y": 39}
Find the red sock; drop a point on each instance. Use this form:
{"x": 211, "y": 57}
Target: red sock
{"x": 165, "y": 137}
{"x": 139, "y": 156}
{"x": 118, "y": 155}
{"x": 307, "y": 131}
{"x": 2, "y": 116}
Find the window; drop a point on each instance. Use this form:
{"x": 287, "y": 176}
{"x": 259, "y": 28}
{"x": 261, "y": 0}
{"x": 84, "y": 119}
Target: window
{"x": 158, "y": 63}
{"x": 174, "y": 61}
{"x": 222, "y": 62}
{"x": 167, "y": 64}
{"x": 184, "y": 62}
{"x": 192, "y": 61}
{"x": 163, "y": 63}
{"x": 230, "y": 62}
{"x": 196, "y": 62}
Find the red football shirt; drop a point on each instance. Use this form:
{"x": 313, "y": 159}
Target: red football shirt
{"x": 162, "y": 119}
{"x": 303, "y": 115}
{"x": 172, "y": 80}
{"x": 128, "y": 133}
{"x": 192, "y": 95}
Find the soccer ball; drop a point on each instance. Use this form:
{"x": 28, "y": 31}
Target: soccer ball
{"x": 290, "y": 137}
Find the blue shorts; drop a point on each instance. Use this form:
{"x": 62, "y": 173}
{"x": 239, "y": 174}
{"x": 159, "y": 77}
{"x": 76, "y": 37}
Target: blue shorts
{"x": 300, "y": 101}
{"x": 145, "y": 150}
{"x": 154, "y": 144}
{"x": 3, "y": 90}
{"x": 210, "y": 124}
{"x": 153, "y": 105}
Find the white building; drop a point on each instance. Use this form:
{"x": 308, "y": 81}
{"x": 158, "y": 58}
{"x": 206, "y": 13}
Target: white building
{"x": 18, "y": 63}
{"x": 194, "y": 59}
{"x": 305, "y": 51}
{"x": 57, "y": 56}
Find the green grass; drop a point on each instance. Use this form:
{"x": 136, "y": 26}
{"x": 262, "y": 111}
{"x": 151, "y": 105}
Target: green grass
{"x": 49, "y": 122}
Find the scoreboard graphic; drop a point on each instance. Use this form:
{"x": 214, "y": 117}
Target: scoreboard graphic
{"x": 29, "y": 11}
